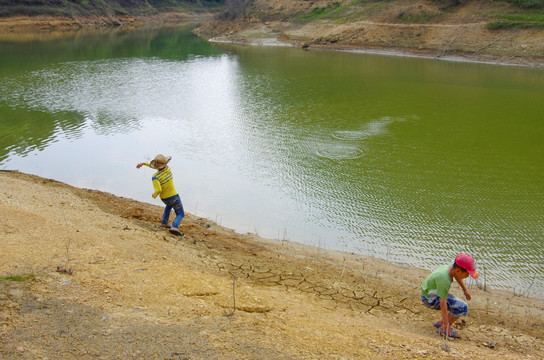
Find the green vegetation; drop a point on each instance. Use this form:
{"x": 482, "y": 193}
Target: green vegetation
{"x": 337, "y": 11}
{"x": 186, "y": 4}
{"x": 18, "y": 278}
{"x": 359, "y": 9}
{"x": 524, "y": 17}
{"x": 236, "y": 8}
{"x": 446, "y": 4}
{"x": 526, "y": 4}
{"x": 529, "y": 4}
{"x": 524, "y": 21}
{"x": 321, "y": 12}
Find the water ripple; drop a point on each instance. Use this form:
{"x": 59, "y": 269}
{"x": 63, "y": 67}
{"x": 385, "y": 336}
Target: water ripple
{"x": 339, "y": 152}
{"x": 373, "y": 128}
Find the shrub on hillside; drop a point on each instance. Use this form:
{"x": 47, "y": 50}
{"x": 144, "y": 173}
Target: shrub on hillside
{"x": 236, "y": 8}
{"x": 181, "y": 3}
{"x": 31, "y": 2}
{"x": 535, "y": 4}
{"x": 445, "y": 4}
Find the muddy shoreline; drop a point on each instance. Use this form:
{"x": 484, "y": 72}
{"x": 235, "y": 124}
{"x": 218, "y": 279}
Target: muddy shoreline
{"x": 102, "y": 279}
{"x": 281, "y": 34}
{"x": 402, "y": 52}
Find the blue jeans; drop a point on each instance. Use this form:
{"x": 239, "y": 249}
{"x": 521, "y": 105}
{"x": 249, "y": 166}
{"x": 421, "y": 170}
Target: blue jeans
{"x": 456, "y": 307}
{"x": 173, "y": 202}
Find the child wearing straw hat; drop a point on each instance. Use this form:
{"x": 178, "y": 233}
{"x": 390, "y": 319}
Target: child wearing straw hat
{"x": 163, "y": 185}
{"x": 435, "y": 292}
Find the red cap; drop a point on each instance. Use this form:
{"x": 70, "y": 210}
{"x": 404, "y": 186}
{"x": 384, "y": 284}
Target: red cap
{"x": 467, "y": 262}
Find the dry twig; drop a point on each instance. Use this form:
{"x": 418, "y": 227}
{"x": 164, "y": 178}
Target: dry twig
{"x": 229, "y": 314}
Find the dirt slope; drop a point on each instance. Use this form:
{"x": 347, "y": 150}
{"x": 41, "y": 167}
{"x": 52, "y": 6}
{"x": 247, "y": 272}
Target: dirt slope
{"x": 106, "y": 282}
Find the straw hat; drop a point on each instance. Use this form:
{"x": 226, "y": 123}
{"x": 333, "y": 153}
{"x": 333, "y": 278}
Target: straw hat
{"x": 160, "y": 161}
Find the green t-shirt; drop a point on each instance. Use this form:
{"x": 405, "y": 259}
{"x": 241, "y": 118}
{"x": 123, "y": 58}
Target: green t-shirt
{"x": 439, "y": 281}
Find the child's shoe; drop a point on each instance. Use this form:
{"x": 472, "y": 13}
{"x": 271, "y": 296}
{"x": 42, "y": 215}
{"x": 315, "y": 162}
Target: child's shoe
{"x": 175, "y": 231}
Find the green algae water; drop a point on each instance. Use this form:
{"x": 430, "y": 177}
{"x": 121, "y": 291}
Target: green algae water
{"x": 406, "y": 159}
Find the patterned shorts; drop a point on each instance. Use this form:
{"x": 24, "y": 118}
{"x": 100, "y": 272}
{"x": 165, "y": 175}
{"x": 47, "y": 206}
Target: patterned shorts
{"x": 456, "y": 306}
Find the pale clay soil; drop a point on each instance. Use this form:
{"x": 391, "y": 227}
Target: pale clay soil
{"x": 111, "y": 284}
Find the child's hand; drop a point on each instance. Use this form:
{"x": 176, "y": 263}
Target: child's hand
{"x": 467, "y": 294}
{"x": 139, "y": 165}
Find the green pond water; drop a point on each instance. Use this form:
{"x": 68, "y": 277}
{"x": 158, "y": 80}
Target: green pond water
{"x": 406, "y": 159}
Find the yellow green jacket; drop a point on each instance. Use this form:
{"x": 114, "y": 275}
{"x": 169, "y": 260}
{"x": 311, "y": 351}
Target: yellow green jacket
{"x": 163, "y": 183}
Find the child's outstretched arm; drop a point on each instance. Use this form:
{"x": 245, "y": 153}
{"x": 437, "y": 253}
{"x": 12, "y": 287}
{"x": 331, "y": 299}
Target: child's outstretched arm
{"x": 139, "y": 165}
{"x": 462, "y": 285}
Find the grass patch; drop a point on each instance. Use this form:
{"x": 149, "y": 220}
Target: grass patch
{"x": 17, "y": 278}
{"x": 337, "y": 11}
{"x": 321, "y": 12}
{"x": 523, "y": 21}
{"x": 358, "y": 10}
{"x": 184, "y": 5}
{"x": 354, "y": 16}
{"x": 529, "y": 4}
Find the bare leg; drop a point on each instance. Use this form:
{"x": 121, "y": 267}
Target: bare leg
{"x": 451, "y": 320}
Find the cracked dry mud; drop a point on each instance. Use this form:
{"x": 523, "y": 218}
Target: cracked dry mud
{"x": 106, "y": 282}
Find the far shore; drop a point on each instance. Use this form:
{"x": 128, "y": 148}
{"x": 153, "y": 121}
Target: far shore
{"x": 21, "y": 28}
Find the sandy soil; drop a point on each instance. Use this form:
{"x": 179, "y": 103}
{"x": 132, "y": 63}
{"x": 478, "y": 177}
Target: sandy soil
{"x": 107, "y": 282}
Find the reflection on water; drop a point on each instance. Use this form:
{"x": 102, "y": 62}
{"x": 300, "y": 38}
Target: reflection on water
{"x": 24, "y": 130}
{"x": 55, "y": 83}
{"x": 20, "y": 52}
{"x": 410, "y": 160}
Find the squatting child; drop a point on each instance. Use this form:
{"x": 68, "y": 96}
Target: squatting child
{"x": 163, "y": 185}
{"x": 435, "y": 292}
